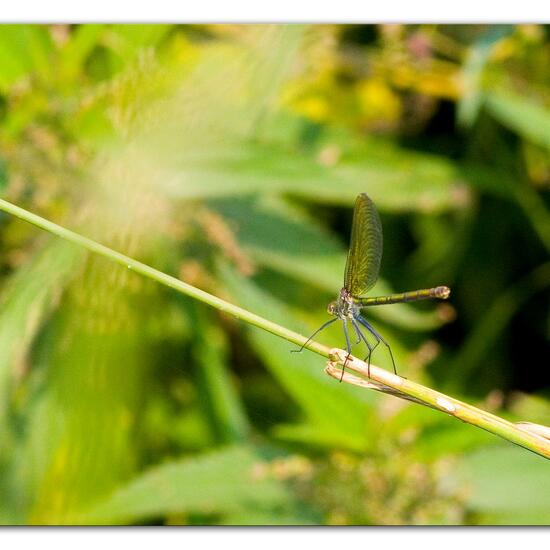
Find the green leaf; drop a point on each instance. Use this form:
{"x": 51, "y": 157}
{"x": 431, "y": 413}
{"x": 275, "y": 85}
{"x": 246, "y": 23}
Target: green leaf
{"x": 476, "y": 61}
{"x": 536, "y": 408}
{"x": 130, "y": 39}
{"x": 74, "y": 53}
{"x": 507, "y": 480}
{"x": 220, "y": 482}
{"x": 23, "y": 49}
{"x": 283, "y": 240}
{"x": 317, "y": 435}
{"x": 448, "y": 438}
{"x": 29, "y": 296}
{"x": 396, "y": 180}
{"x": 96, "y": 355}
{"x": 297, "y": 514}
{"x": 4, "y": 177}
{"x": 218, "y": 394}
{"x": 528, "y": 517}
{"x": 528, "y": 119}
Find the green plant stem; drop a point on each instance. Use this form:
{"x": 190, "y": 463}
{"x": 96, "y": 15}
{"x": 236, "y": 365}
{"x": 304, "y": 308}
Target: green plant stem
{"x": 162, "y": 278}
{"x": 388, "y": 382}
{"x": 379, "y": 378}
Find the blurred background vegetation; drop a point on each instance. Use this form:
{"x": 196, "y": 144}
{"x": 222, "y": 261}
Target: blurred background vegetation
{"x": 230, "y": 156}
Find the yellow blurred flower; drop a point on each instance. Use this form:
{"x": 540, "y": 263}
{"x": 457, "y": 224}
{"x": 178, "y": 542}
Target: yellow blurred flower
{"x": 438, "y": 80}
{"x": 314, "y": 107}
{"x": 506, "y": 48}
{"x": 377, "y": 102}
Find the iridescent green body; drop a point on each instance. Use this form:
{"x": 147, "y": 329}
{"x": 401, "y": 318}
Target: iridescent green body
{"x": 441, "y": 292}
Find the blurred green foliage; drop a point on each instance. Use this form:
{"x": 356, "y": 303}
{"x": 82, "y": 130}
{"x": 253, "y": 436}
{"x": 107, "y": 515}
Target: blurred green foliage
{"x": 231, "y": 155}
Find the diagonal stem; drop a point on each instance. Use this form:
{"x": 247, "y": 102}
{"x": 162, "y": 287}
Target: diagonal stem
{"x": 387, "y": 382}
{"x": 380, "y": 379}
{"x": 163, "y": 278}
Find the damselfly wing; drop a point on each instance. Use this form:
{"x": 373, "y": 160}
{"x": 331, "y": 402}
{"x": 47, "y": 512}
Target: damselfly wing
{"x": 365, "y": 249}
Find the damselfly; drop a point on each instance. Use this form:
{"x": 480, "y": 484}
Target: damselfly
{"x": 361, "y": 273}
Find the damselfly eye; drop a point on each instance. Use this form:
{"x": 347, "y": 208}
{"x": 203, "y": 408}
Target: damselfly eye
{"x": 331, "y": 308}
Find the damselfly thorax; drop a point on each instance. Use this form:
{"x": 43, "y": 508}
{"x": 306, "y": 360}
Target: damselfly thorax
{"x": 343, "y": 306}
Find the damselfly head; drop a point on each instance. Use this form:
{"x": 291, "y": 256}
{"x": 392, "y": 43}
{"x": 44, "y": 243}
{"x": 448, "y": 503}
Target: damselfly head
{"x": 332, "y": 308}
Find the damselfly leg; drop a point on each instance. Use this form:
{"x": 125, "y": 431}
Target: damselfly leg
{"x": 361, "y": 336}
{"x": 378, "y": 337}
{"x": 323, "y": 326}
{"x": 348, "y": 346}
